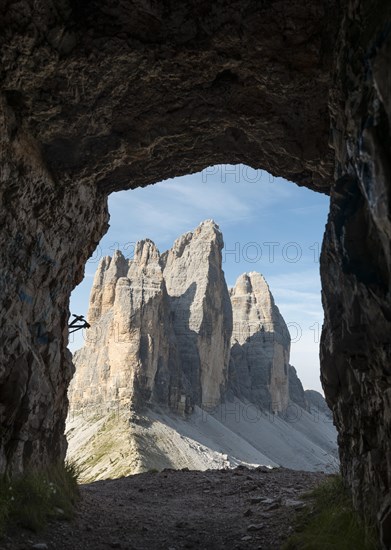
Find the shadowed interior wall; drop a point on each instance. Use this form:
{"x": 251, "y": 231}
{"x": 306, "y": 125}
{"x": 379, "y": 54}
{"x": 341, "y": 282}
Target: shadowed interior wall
{"x": 101, "y": 96}
{"x": 356, "y": 261}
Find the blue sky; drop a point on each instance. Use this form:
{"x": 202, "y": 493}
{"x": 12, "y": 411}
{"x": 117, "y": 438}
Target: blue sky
{"x": 269, "y": 225}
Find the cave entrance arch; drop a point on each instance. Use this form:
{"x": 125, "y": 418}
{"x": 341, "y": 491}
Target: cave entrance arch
{"x": 103, "y": 99}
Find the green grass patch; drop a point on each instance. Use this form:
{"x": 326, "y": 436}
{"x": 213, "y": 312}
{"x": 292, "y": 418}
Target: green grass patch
{"x": 329, "y": 522}
{"x": 33, "y": 498}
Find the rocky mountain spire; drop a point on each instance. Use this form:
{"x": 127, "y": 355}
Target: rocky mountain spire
{"x": 260, "y": 345}
{"x": 161, "y": 327}
{"x": 200, "y": 310}
{"x": 168, "y": 337}
{"x": 126, "y": 356}
{"x": 165, "y": 329}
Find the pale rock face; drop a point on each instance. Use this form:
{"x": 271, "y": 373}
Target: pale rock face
{"x": 103, "y": 288}
{"x": 126, "y": 356}
{"x": 200, "y": 310}
{"x": 260, "y": 345}
{"x": 160, "y": 328}
{"x": 316, "y": 403}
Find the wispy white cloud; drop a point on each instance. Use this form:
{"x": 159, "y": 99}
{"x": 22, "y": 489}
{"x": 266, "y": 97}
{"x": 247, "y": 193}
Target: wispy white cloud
{"x": 302, "y": 296}
{"x": 174, "y": 202}
{"x": 190, "y": 199}
{"x": 300, "y": 281}
{"x": 308, "y": 208}
{"x": 299, "y": 311}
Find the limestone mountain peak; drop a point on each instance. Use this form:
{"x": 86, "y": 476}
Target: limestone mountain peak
{"x": 246, "y": 281}
{"x": 259, "y": 367}
{"x": 207, "y": 232}
{"x": 170, "y": 337}
{"x": 145, "y": 252}
{"x": 184, "y": 338}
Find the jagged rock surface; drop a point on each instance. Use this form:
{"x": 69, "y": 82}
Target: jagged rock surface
{"x": 161, "y": 328}
{"x": 355, "y": 265}
{"x": 129, "y": 346}
{"x": 260, "y": 345}
{"x": 43, "y": 250}
{"x": 200, "y": 311}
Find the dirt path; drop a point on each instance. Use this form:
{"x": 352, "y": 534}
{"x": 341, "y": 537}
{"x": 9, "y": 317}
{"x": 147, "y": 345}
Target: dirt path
{"x": 216, "y": 509}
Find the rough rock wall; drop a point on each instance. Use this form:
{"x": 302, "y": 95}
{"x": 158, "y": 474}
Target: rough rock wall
{"x": 127, "y": 94}
{"x": 260, "y": 345}
{"x": 356, "y": 260}
{"x": 43, "y": 250}
{"x": 200, "y": 310}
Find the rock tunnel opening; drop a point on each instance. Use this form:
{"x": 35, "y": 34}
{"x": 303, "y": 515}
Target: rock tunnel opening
{"x": 105, "y": 99}
{"x": 271, "y": 228}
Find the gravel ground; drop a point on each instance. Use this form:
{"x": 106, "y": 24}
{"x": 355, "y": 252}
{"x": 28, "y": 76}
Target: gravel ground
{"x": 177, "y": 509}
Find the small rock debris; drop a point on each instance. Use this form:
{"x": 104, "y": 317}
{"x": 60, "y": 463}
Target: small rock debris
{"x": 173, "y": 511}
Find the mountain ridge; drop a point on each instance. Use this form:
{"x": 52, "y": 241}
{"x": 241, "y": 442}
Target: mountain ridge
{"x": 168, "y": 335}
